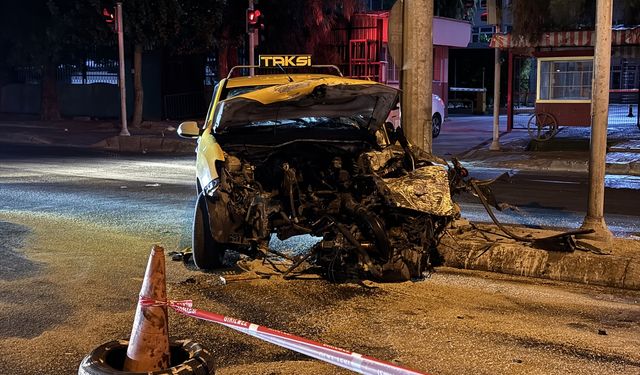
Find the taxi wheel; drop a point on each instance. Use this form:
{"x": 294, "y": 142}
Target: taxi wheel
{"x": 207, "y": 253}
{"x": 437, "y": 125}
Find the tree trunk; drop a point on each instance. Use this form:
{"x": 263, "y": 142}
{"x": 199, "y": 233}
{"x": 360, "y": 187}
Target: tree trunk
{"x": 232, "y": 56}
{"x": 223, "y": 66}
{"x": 137, "y": 86}
{"x": 49, "y": 109}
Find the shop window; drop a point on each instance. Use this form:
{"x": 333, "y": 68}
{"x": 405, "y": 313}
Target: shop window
{"x": 565, "y": 79}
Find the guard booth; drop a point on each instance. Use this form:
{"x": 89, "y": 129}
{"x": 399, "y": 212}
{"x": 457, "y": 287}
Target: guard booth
{"x": 556, "y": 73}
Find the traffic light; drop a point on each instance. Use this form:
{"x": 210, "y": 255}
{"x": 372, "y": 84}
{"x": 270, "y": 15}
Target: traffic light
{"x": 109, "y": 17}
{"x": 254, "y": 20}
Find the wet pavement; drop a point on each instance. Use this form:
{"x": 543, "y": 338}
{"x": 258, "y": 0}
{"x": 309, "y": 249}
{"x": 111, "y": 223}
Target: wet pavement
{"x": 77, "y": 227}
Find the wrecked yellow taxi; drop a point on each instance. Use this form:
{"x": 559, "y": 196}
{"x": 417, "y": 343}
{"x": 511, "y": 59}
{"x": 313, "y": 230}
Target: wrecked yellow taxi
{"x": 312, "y": 154}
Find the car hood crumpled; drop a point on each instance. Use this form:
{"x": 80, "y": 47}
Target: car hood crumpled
{"x": 367, "y": 101}
{"x": 426, "y": 189}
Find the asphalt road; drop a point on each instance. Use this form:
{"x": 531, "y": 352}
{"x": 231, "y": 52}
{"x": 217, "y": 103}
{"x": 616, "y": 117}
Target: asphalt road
{"x": 76, "y": 228}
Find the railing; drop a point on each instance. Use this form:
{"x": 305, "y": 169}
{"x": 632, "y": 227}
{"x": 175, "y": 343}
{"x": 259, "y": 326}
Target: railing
{"x": 184, "y": 105}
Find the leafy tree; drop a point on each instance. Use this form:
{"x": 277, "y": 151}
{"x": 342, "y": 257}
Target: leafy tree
{"x": 291, "y": 27}
{"x": 178, "y": 26}
{"x": 532, "y": 18}
{"x": 459, "y": 9}
{"x": 46, "y": 33}
{"x": 303, "y": 26}
{"x": 631, "y": 10}
{"x": 230, "y": 34}
{"x": 147, "y": 24}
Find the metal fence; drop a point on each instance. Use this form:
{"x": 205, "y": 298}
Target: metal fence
{"x": 90, "y": 71}
{"x": 184, "y": 105}
{"x": 211, "y": 71}
{"x": 87, "y": 72}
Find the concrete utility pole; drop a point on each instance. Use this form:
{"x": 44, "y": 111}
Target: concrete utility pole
{"x": 599, "y": 121}
{"x": 495, "y": 144}
{"x": 123, "y": 92}
{"x": 417, "y": 72}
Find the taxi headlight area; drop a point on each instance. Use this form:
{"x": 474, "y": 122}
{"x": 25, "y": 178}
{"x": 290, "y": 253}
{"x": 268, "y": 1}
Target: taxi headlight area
{"x": 211, "y": 187}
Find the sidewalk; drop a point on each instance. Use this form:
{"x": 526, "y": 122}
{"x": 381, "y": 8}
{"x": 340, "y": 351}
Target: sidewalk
{"x": 465, "y": 137}
{"x": 151, "y": 137}
{"x": 468, "y": 139}
{"x": 482, "y": 247}
{"x": 476, "y": 248}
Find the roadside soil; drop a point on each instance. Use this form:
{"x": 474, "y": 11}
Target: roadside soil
{"x": 79, "y": 282}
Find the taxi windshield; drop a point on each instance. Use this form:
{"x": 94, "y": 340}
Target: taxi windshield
{"x": 235, "y": 91}
{"x": 352, "y": 122}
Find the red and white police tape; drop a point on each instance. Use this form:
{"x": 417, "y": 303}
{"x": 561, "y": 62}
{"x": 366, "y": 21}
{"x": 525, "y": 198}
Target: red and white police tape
{"x": 343, "y": 358}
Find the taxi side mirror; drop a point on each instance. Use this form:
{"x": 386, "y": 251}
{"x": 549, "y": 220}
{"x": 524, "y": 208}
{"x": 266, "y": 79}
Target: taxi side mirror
{"x": 189, "y": 129}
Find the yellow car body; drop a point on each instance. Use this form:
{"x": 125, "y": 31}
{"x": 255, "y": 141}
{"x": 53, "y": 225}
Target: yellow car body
{"x": 310, "y": 154}
{"x": 208, "y": 151}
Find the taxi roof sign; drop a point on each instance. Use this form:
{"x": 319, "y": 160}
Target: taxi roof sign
{"x": 273, "y": 61}
{"x": 279, "y": 62}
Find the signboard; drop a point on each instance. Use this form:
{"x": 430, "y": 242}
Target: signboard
{"x": 273, "y": 61}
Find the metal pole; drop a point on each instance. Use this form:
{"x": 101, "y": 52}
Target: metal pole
{"x": 123, "y": 94}
{"x": 495, "y": 144}
{"x": 638, "y": 109}
{"x": 252, "y": 45}
{"x": 417, "y": 72}
{"x": 510, "y": 93}
{"x": 599, "y": 121}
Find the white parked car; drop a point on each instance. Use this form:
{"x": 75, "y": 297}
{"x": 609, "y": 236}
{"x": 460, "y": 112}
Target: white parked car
{"x": 437, "y": 114}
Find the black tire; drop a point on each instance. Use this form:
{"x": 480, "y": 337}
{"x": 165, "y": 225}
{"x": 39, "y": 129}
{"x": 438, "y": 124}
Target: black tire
{"x": 207, "y": 253}
{"x": 372, "y": 229}
{"x": 436, "y": 122}
{"x": 187, "y": 357}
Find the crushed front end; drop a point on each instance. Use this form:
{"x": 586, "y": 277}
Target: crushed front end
{"x": 314, "y": 158}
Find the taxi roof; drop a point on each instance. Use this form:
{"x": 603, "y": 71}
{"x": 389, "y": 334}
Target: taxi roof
{"x": 272, "y": 79}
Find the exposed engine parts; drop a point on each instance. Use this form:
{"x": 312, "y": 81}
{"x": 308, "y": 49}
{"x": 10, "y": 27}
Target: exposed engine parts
{"x": 372, "y": 216}
{"x": 369, "y": 224}
{"x": 314, "y": 157}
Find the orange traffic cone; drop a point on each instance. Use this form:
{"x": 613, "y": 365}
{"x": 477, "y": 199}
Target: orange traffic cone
{"x": 148, "y": 348}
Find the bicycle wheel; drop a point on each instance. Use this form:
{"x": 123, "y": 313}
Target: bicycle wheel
{"x": 542, "y": 126}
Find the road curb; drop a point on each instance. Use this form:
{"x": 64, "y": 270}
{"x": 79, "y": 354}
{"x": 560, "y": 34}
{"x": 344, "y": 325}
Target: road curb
{"x": 146, "y": 144}
{"x": 570, "y": 165}
{"x": 518, "y": 259}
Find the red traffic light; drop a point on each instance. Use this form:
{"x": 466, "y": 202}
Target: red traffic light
{"x": 108, "y": 16}
{"x": 483, "y": 16}
{"x": 252, "y": 16}
{"x": 254, "y": 20}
